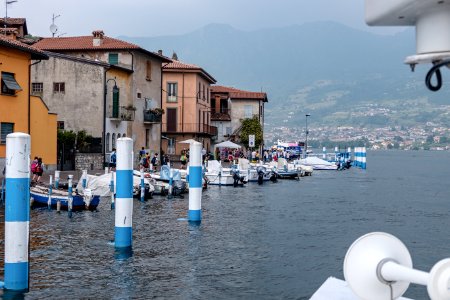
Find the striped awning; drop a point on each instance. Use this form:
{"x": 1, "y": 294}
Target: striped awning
{"x": 10, "y": 82}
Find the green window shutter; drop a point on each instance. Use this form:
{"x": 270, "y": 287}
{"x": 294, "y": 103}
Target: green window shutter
{"x": 6, "y": 128}
{"x": 115, "y": 110}
{"x": 113, "y": 58}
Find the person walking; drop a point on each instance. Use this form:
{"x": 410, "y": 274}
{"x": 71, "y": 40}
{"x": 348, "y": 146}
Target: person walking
{"x": 154, "y": 161}
{"x": 38, "y": 169}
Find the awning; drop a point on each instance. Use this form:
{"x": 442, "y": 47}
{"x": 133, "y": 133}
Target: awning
{"x": 10, "y": 82}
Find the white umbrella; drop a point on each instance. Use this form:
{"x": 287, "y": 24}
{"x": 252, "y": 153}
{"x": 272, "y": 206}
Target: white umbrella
{"x": 189, "y": 141}
{"x": 227, "y": 144}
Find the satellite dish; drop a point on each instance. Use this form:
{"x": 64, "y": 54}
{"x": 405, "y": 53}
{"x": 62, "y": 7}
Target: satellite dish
{"x": 53, "y": 28}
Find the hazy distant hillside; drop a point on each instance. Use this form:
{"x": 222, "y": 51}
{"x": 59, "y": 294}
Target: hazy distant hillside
{"x": 321, "y": 68}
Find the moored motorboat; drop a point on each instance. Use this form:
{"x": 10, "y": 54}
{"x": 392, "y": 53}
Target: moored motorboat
{"x": 39, "y": 195}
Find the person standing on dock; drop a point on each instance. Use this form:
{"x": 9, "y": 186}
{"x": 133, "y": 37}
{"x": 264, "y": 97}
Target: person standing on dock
{"x": 155, "y": 161}
{"x": 112, "y": 160}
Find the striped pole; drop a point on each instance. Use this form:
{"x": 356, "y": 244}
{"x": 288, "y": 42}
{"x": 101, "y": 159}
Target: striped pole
{"x": 83, "y": 183}
{"x": 324, "y": 153}
{"x": 363, "y": 158}
{"x": 355, "y": 163}
{"x": 124, "y": 193}
{"x": 57, "y": 179}
{"x": 111, "y": 189}
{"x": 70, "y": 197}
{"x": 49, "y": 202}
{"x": 170, "y": 195}
{"x": 17, "y": 211}
{"x": 195, "y": 182}
{"x": 349, "y": 153}
{"x": 336, "y": 150}
{"x": 142, "y": 186}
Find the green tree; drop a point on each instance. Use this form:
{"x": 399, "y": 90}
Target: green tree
{"x": 251, "y": 126}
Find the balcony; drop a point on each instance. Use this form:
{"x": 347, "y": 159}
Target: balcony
{"x": 223, "y": 115}
{"x": 189, "y": 128}
{"x": 121, "y": 113}
{"x": 152, "y": 117}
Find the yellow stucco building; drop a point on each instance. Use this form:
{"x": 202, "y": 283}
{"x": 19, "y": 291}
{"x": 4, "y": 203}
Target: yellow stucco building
{"x": 19, "y": 111}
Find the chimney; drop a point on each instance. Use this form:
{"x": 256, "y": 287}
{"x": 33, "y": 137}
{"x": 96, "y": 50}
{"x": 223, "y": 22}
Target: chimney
{"x": 98, "y": 38}
{"x": 10, "y": 33}
{"x": 160, "y": 52}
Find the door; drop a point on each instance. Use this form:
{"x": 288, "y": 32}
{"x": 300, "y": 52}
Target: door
{"x": 171, "y": 119}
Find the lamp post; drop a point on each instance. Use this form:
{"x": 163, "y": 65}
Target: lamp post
{"x": 306, "y": 134}
{"x": 115, "y": 92}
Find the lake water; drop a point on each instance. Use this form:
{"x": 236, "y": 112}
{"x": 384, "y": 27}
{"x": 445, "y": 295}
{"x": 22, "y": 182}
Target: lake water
{"x": 274, "y": 241}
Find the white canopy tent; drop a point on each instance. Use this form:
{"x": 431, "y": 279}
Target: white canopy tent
{"x": 189, "y": 141}
{"x": 227, "y": 144}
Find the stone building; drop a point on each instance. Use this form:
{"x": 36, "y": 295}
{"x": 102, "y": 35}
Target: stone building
{"x": 229, "y": 106}
{"x": 106, "y": 89}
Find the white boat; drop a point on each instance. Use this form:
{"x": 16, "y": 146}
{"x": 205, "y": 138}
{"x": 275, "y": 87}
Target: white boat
{"x": 217, "y": 175}
{"x": 255, "y": 172}
{"x": 317, "y": 163}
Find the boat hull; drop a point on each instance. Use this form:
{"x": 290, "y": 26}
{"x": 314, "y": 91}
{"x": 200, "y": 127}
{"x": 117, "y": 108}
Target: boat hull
{"x": 78, "y": 203}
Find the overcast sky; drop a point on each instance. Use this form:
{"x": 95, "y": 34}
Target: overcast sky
{"x": 172, "y": 17}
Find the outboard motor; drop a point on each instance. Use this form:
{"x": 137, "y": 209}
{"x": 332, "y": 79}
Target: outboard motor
{"x": 260, "y": 170}
{"x": 236, "y": 176}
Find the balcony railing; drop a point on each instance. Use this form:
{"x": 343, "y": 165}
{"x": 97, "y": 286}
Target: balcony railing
{"x": 121, "y": 113}
{"x": 151, "y": 117}
{"x": 223, "y": 114}
{"x": 189, "y": 128}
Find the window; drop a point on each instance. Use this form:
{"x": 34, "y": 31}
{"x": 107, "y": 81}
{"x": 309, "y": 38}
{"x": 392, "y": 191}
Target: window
{"x": 203, "y": 91}
{"x": 59, "y": 87}
{"x": 107, "y": 142}
{"x": 113, "y": 140}
{"x": 60, "y": 125}
{"x": 172, "y": 91}
{"x": 37, "y": 87}
{"x": 5, "y": 128}
{"x": 118, "y": 136}
{"x": 149, "y": 71}
{"x": 199, "y": 93}
{"x": 248, "y": 111}
{"x": 139, "y": 95}
{"x": 9, "y": 84}
{"x": 147, "y": 138}
{"x": 113, "y": 58}
{"x": 207, "y": 95}
{"x": 228, "y": 131}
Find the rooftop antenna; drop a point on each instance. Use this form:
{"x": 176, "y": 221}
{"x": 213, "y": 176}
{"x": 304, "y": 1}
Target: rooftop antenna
{"x": 53, "y": 27}
{"x": 7, "y": 2}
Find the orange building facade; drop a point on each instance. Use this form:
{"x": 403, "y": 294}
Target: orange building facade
{"x": 19, "y": 111}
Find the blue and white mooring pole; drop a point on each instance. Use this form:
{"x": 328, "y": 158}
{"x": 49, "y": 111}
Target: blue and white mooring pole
{"x": 84, "y": 182}
{"x": 111, "y": 189}
{"x": 57, "y": 179}
{"x": 170, "y": 194}
{"x": 363, "y": 158}
{"x": 142, "y": 186}
{"x": 124, "y": 193}
{"x": 17, "y": 211}
{"x": 70, "y": 196}
{"x": 324, "y": 153}
{"x": 50, "y": 187}
{"x": 195, "y": 182}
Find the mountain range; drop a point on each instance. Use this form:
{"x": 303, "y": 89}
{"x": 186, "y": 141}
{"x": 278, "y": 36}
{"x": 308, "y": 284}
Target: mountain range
{"x": 324, "y": 68}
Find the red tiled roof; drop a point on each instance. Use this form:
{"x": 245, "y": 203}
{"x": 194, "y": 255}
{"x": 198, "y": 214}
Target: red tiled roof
{"x": 240, "y": 94}
{"x": 11, "y": 21}
{"x": 82, "y": 43}
{"x": 35, "y": 53}
{"x": 178, "y": 65}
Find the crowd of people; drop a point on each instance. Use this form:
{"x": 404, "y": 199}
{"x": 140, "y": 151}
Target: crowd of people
{"x": 232, "y": 155}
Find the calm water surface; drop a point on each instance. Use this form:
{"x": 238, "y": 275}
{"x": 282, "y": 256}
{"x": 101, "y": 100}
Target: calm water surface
{"x": 275, "y": 241}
